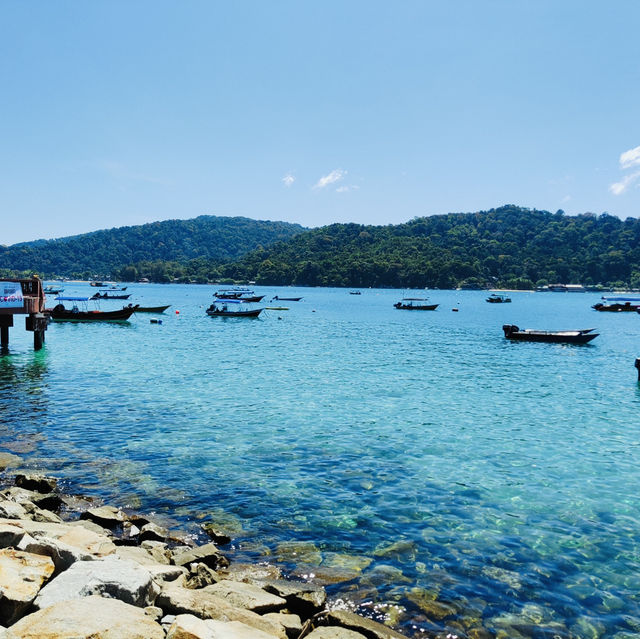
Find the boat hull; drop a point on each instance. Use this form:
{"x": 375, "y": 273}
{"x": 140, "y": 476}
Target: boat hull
{"x": 617, "y": 308}
{"x": 251, "y": 313}
{"x": 65, "y": 315}
{"x": 152, "y": 309}
{"x": 583, "y": 336}
{"x": 416, "y": 307}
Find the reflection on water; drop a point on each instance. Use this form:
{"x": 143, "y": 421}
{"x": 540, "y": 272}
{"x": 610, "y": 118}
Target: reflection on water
{"x": 428, "y": 471}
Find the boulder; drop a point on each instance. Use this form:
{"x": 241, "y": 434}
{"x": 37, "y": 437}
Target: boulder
{"x": 21, "y": 576}
{"x": 158, "y": 550}
{"x": 302, "y": 598}
{"x": 251, "y": 573}
{"x": 207, "y": 554}
{"x": 177, "y": 600}
{"x": 200, "y": 576}
{"x": 291, "y": 623}
{"x": 41, "y": 514}
{"x": 334, "y": 632}
{"x": 109, "y": 577}
{"x": 49, "y": 501}
{"x": 190, "y": 627}
{"x": 153, "y": 532}
{"x": 10, "y": 534}
{"x": 88, "y": 618}
{"x": 13, "y": 510}
{"x": 218, "y": 535}
{"x": 106, "y": 516}
{"x": 38, "y": 483}
{"x": 247, "y": 596}
{"x": 63, "y": 543}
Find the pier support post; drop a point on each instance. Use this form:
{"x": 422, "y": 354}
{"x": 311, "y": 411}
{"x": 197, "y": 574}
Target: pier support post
{"x": 6, "y": 322}
{"x": 37, "y": 322}
{"x": 637, "y": 365}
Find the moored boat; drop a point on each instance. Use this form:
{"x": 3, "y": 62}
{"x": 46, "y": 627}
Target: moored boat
{"x": 494, "y": 298}
{"x": 415, "y": 304}
{"x": 231, "y": 308}
{"x": 149, "y": 309}
{"x": 60, "y": 313}
{"x": 107, "y": 296}
{"x": 285, "y": 299}
{"x": 580, "y": 336}
{"x": 627, "y": 307}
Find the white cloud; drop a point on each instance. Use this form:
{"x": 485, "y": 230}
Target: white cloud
{"x": 630, "y": 158}
{"x": 566, "y": 199}
{"x": 620, "y": 187}
{"x": 288, "y": 179}
{"x": 346, "y": 189}
{"x": 335, "y": 176}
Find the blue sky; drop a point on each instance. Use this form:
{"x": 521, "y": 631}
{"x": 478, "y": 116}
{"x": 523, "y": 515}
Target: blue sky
{"x": 123, "y": 112}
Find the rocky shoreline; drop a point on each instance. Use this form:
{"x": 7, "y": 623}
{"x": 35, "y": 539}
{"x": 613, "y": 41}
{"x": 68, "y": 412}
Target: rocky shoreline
{"x": 71, "y": 568}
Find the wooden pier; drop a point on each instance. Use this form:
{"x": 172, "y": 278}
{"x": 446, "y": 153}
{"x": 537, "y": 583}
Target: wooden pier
{"x": 22, "y": 297}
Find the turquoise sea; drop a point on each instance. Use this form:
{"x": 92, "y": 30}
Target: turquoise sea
{"x": 428, "y": 471}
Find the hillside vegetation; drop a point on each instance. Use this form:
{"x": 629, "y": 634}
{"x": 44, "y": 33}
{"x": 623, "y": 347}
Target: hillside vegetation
{"x": 509, "y": 247}
{"x": 104, "y": 253}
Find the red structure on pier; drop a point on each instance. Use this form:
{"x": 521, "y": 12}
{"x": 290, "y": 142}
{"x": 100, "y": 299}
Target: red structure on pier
{"x": 22, "y": 297}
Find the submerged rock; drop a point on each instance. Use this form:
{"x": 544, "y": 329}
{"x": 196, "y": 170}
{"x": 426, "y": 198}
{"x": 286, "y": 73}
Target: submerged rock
{"x": 9, "y": 460}
{"x": 299, "y": 552}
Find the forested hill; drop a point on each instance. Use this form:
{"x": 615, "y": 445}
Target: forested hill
{"x": 509, "y": 246}
{"x": 101, "y": 253}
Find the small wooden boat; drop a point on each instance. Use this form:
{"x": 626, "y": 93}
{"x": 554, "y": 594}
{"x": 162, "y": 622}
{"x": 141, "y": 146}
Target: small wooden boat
{"x": 107, "y": 296}
{"x": 627, "y": 307}
{"x": 231, "y": 308}
{"x": 415, "y": 304}
{"x": 238, "y": 293}
{"x": 52, "y": 290}
{"x": 498, "y": 299}
{"x": 150, "y": 309}
{"x": 61, "y": 314}
{"x": 285, "y": 299}
{"x": 97, "y": 283}
{"x": 355, "y": 293}
{"x": 581, "y": 336}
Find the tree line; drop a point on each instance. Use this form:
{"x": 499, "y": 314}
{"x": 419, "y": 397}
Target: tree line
{"x": 510, "y": 247}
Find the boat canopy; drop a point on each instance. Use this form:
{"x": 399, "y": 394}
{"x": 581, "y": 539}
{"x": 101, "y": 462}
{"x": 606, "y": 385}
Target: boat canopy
{"x": 415, "y": 299}
{"x": 220, "y": 300}
{"x": 72, "y": 299}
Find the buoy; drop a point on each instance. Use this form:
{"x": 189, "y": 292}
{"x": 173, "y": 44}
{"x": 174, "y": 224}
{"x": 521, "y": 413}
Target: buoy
{"x": 155, "y": 321}
{"x": 455, "y": 310}
{"x": 177, "y": 312}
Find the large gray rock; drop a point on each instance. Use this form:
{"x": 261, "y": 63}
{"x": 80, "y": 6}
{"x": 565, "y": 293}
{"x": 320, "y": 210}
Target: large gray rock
{"x": 291, "y": 623}
{"x": 207, "y": 554}
{"x": 26, "y": 497}
{"x": 190, "y": 627}
{"x": 63, "y": 543}
{"x": 177, "y": 600}
{"x": 107, "y": 516}
{"x": 302, "y": 598}
{"x": 334, "y": 632}
{"x": 38, "y": 483}
{"x": 13, "y": 510}
{"x": 88, "y": 618}
{"x": 10, "y": 534}
{"x": 247, "y": 596}
{"x": 109, "y": 577}
{"x": 21, "y": 576}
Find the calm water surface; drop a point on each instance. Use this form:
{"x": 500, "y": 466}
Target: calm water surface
{"x": 430, "y": 472}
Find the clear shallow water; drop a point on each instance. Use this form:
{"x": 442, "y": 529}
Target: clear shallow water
{"x": 438, "y": 473}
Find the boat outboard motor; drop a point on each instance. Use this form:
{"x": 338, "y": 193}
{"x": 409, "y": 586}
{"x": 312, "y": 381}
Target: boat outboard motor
{"x": 510, "y": 328}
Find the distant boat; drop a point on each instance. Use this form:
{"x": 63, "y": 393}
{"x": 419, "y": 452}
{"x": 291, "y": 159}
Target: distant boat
{"x": 231, "y": 308}
{"x": 106, "y": 296}
{"x": 498, "y": 299}
{"x": 512, "y": 332}
{"x": 238, "y": 293}
{"x": 52, "y": 290}
{"x": 415, "y": 304}
{"x": 355, "y": 293}
{"x": 97, "y": 283}
{"x": 285, "y": 299}
{"x": 627, "y": 307}
{"x": 60, "y": 313}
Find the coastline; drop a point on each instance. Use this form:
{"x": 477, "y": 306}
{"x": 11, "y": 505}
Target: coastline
{"x": 77, "y": 567}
